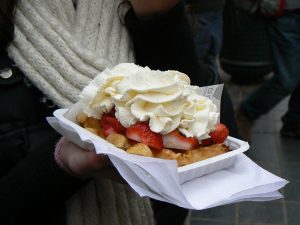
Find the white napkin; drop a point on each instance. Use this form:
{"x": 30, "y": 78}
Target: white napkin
{"x": 245, "y": 180}
{"x": 158, "y": 178}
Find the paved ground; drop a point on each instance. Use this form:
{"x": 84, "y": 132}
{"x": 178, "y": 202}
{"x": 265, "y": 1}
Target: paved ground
{"x": 277, "y": 155}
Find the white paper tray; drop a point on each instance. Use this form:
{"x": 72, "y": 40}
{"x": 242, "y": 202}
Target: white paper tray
{"x": 185, "y": 173}
{"x": 186, "y": 186}
{"x": 213, "y": 164}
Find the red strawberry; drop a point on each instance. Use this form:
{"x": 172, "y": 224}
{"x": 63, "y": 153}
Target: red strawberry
{"x": 103, "y": 119}
{"x": 108, "y": 129}
{"x": 108, "y": 119}
{"x": 176, "y": 140}
{"x": 116, "y": 125}
{"x": 141, "y": 132}
{"x": 219, "y": 134}
{"x": 206, "y": 142}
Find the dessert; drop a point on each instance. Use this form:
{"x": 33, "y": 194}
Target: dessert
{"x": 152, "y": 113}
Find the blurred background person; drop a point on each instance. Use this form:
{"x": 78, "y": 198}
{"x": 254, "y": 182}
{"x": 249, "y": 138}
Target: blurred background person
{"x": 207, "y": 23}
{"x": 282, "y": 20}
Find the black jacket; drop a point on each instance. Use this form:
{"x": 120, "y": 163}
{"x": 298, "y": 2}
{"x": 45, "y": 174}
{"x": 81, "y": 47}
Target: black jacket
{"x": 33, "y": 188}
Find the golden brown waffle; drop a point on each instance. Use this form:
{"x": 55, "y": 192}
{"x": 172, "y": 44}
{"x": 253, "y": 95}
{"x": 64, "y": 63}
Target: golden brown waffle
{"x": 183, "y": 157}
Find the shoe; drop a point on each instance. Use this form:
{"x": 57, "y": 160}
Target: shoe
{"x": 290, "y": 131}
{"x": 244, "y": 125}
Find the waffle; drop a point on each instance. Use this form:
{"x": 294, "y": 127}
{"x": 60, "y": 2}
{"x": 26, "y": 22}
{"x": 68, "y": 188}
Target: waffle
{"x": 183, "y": 157}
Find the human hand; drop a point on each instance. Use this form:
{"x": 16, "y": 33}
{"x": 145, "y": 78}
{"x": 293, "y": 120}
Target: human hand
{"x": 81, "y": 162}
{"x": 144, "y": 8}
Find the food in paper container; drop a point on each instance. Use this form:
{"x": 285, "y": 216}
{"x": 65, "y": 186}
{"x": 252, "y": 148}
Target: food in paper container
{"x": 152, "y": 113}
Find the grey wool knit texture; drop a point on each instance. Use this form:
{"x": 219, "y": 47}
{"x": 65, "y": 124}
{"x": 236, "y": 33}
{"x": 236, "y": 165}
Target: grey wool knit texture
{"x": 60, "y": 48}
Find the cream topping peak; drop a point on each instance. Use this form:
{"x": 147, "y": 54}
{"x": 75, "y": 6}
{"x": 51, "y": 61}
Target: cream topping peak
{"x": 164, "y": 98}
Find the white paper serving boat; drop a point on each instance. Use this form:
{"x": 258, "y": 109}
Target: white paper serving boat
{"x": 198, "y": 169}
{"x": 227, "y": 178}
{"x": 185, "y": 173}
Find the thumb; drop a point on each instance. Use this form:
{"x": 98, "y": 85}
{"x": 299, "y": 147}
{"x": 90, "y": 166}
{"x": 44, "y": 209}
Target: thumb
{"x": 80, "y": 161}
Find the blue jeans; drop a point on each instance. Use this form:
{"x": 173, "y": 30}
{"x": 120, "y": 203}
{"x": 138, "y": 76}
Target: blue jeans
{"x": 284, "y": 34}
{"x": 208, "y": 36}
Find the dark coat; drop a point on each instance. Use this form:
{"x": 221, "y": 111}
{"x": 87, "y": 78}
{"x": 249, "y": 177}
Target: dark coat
{"x": 27, "y": 167}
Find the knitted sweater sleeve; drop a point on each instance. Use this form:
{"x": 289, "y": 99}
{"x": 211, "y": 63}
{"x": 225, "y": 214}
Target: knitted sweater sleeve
{"x": 35, "y": 188}
{"x": 165, "y": 42}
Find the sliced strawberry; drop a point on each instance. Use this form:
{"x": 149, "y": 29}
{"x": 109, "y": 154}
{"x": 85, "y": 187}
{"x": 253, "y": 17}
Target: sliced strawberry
{"x": 206, "y": 142}
{"x": 219, "y": 134}
{"x": 103, "y": 120}
{"x": 141, "y": 132}
{"x": 107, "y": 118}
{"x": 108, "y": 129}
{"x": 176, "y": 140}
{"x": 116, "y": 125}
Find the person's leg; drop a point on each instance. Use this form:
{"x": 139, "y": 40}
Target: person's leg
{"x": 291, "y": 119}
{"x": 208, "y": 36}
{"x": 293, "y": 113}
{"x": 216, "y": 39}
{"x": 284, "y": 36}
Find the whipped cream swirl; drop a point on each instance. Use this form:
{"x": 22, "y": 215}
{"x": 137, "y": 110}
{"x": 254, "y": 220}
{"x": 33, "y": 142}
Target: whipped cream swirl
{"x": 164, "y": 98}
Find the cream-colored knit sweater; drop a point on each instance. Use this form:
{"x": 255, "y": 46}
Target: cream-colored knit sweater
{"x": 60, "y": 48}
